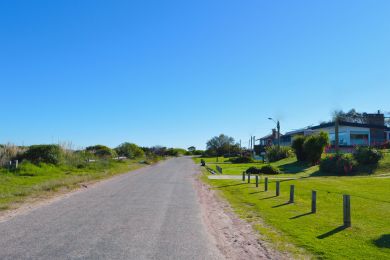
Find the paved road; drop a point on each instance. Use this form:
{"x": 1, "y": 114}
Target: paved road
{"x": 151, "y": 213}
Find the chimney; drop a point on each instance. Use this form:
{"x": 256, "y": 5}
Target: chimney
{"x": 274, "y": 134}
{"x": 376, "y": 119}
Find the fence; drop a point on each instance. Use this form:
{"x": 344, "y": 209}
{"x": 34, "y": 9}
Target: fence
{"x": 346, "y": 199}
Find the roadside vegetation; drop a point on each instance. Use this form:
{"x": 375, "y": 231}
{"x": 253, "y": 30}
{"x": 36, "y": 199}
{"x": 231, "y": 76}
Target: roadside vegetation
{"x": 363, "y": 174}
{"x": 38, "y": 170}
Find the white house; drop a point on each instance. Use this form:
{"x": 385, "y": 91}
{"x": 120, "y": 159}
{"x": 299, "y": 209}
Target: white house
{"x": 350, "y": 134}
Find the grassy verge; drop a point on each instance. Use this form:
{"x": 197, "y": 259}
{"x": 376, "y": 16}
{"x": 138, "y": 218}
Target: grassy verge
{"x": 30, "y": 180}
{"x": 292, "y": 227}
{"x": 291, "y": 168}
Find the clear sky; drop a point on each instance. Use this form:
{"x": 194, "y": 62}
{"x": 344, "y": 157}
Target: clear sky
{"x": 176, "y": 73}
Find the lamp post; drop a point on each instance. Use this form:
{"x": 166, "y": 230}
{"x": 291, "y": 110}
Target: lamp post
{"x": 278, "y": 127}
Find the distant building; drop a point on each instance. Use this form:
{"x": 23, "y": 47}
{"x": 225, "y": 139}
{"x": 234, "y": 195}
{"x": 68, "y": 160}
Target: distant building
{"x": 271, "y": 139}
{"x": 372, "y": 132}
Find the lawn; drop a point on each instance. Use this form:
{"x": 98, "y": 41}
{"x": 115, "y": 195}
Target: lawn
{"x": 32, "y": 180}
{"x": 293, "y": 228}
{"x": 289, "y": 167}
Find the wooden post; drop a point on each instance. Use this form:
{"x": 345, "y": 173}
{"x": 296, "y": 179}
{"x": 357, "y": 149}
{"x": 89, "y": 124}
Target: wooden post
{"x": 249, "y": 178}
{"x": 16, "y": 164}
{"x": 347, "y": 210}
{"x": 313, "y": 201}
{"x": 243, "y": 176}
{"x": 257, "y": 181}
{"x": 292, "y": 190}
{"x": 266, "y": 184}
{"x": 277, "y": 188}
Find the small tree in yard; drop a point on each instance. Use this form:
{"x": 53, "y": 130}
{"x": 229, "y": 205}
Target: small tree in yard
{"x": 314, "y": 146}
{"x": 297, "y": 146}
{"x": 310, "y": 148}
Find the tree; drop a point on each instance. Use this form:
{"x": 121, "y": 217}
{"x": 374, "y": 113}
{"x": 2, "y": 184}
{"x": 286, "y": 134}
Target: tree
{"x": 191, "y": 149}
{"x": 352, "y": 116}
{"x": 220, "y": 145}
{"x": 129, "y": 150}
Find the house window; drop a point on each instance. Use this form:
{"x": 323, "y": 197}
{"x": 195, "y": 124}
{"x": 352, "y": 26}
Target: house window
{"x": 343, "y": 137}
{"x": 359, "y": 139}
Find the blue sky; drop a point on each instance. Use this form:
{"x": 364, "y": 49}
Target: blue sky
{"x": 176, "y": 73}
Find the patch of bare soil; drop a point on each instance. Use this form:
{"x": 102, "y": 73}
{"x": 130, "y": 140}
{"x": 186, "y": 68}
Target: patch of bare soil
{"x": 234, "y": 237}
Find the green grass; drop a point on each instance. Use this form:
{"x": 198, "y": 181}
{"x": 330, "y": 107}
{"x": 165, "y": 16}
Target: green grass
{"x": 290, "y": 167}
{"x": 30, "y": 180}
{"x": 291, "y": 227}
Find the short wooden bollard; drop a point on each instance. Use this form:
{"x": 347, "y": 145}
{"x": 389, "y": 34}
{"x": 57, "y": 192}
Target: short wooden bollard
{"x": 266, "y": 184}
{"x": 257, "y": 181}
{"x": 243, "y": 176}
{"x": 313, "y": 201}
{"x": 277, "y": 188}
{"x": 292, "y": 190}
{"x": 347, "y": 210}
{"x": 249, "y": 178}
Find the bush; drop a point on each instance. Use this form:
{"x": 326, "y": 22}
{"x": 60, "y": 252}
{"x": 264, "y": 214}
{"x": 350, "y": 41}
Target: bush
{"x": 129, "y": 150}
{"x": 275, "y": 154}
{"x": 314, "y": 146}
{"x": 367, "y": 155}
{"x": 253, "y": 170}
{"x": 243, "y": 159}
{"x": 297, "y": 146}
{"x": 198, "y": 152}
{"x": 51, "y": 154}
{"x": 339, "y": 164}
{"x": 101, "y": 151}
{"x": 269, "y": 169}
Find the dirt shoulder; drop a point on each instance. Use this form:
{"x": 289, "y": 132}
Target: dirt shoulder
{"x": 234, "y": 237}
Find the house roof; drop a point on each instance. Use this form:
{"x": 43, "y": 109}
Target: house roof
{"x": 268, "y": 136}
{"x": 302, "y": 130}
{"x": 342, "y": 123}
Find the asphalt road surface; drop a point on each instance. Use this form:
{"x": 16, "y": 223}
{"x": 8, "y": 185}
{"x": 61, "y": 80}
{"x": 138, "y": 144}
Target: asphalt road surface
{"x": 150, "y": 213}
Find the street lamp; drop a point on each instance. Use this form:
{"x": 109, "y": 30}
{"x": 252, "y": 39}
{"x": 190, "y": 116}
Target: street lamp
{"x": 278, "y": 127}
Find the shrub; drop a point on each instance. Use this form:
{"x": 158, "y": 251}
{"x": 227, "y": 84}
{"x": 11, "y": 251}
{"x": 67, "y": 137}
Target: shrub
{"x": 198, "y": 152}
{"x": 242, "y": 159}
{"x": 269, "y": 169}
{"x": 253, "y": 170}
{"x": 367, "y": 155}
{"x": 51, "y": 154}
{"x": 101, "y": 151}
{"x": 340, "y": 164}
{"x": 314, "y": 146}
{"x": 297, "y": 146}
{"x": 129, "y": 150}
{"x": 275, "y": 154}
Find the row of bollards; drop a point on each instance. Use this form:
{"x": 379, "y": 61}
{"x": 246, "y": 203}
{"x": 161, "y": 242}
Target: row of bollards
{"x": 346, "y": 198}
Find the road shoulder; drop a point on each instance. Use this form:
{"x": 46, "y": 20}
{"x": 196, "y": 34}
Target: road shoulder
{"x": 234, "y": 237}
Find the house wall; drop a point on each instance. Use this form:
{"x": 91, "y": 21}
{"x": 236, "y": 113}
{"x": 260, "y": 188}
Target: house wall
{"x": 387, "y": 135}
{"x": 345, "y": 132}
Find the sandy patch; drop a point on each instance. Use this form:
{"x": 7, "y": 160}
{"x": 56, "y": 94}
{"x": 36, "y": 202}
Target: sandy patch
{"x": 234, "y": 237}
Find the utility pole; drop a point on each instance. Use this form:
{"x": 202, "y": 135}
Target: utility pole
{"x": 254, "y": 143}
{"x": 336, "y": 134}
{"x": 278, "y": 127}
